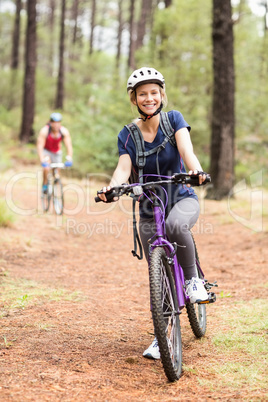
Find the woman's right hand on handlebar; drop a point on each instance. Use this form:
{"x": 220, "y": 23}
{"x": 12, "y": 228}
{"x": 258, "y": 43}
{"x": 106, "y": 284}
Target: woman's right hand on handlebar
{"x": 105, "y": 194}
{"x": 102, "y": 195}
{"x": 202, "y": 176}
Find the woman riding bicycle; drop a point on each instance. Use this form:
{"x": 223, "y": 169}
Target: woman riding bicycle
{"x": 49, "y": 145}
{"x": 146, "y": 89}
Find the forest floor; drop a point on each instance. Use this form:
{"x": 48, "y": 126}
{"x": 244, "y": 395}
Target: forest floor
{"x": 75, "y": 317}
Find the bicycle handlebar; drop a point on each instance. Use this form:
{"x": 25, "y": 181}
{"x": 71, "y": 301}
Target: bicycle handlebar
{"x": 57, "y": 165}
{"x": 177, "y": 178}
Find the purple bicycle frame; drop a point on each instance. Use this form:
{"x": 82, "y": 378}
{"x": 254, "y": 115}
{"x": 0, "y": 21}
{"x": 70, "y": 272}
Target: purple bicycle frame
{"x": 162, "y": 241}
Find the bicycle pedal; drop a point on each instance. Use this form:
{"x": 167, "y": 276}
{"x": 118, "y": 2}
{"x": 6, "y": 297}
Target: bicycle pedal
{"x": 209, "y": 285}
{"x": 211, "y": 299}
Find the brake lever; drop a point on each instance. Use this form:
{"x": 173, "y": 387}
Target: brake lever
{"x": 180, "y": 178}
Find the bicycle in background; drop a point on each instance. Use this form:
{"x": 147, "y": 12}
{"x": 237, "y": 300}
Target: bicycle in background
{"x": 54, "y": 189}
{"x": 167, "y": 283}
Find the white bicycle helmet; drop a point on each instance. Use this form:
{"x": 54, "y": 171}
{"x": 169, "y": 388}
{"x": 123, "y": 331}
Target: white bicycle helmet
{"x": 55, "y": 117}
{"x": 144, "y": 75}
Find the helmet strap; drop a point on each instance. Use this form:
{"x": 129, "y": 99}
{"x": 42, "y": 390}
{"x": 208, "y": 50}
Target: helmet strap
{"x": 149, "y": 116}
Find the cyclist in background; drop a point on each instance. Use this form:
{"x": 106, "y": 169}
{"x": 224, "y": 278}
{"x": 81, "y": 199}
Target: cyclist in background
{"x": 49, "y": 145}
{"x": 146, "y": 89}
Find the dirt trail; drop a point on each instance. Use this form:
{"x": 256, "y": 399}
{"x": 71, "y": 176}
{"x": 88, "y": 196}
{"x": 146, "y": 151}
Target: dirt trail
{"x": 85, "y": 341}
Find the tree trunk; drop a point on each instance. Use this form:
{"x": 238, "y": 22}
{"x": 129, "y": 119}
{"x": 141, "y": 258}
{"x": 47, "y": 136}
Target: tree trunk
{"x": 164, "y": 36}
{"x": 51, "y": 49}
{"x": 27, "y": 132}
{"x": 16, "y": 38}
{"x": 266, "y": 17}
{"x": 92, "y": 26}
{"x": 151, "y": 17}
{"x": 120, "y": 31}
{"x": 223, "y": 117}
{"x": 51, "y": 18}
{"x": 168, "y": 3}
{"x": 132, "y": 39}
{"x": 60, "y": 84}
{"x": 146, "y": 11}
{"x": 74, "y": 17}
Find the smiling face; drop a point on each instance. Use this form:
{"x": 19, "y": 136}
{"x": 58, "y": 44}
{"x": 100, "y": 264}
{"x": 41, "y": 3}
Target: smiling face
{"x": 148, "y": 98}
{"x": 55, "y": 126}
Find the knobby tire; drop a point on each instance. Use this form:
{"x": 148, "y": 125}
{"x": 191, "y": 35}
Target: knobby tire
{"x": 46, "y": 198}
{"x": 197, "y": 314}
{"x": 58, "y": 197}
{"x": 165, "y": 313}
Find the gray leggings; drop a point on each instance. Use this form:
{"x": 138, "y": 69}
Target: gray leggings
{"x": 180, "y": 220}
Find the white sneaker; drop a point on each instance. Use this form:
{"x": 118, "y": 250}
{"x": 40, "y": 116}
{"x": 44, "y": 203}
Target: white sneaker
{"x": 195, "y": 290}
{"x": 153, "y": 351}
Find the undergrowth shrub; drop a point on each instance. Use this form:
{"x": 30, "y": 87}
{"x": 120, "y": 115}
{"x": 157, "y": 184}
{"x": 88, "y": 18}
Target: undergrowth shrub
{"x": 6, "y": 217}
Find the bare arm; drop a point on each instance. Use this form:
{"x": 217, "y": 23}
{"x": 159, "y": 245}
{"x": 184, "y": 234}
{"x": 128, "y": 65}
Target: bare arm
{"x": 122, "y": 171}
{"x": 41, "y": 140}
{"x": 67, "y": 142}
{"x": 120, "y": 175}
{"x": 185, "y": 148}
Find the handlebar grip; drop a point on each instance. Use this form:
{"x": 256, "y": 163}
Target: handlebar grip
{"x": 194, "y": 180}
{"x": 109, "y": 196}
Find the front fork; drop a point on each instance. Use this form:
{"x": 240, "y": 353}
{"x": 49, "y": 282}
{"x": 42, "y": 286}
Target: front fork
{"x": 177, "y": 270}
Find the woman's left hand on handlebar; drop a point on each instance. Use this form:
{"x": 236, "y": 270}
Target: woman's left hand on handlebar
{"x": 202, "y": 176}
{"x": 69, "y": 161}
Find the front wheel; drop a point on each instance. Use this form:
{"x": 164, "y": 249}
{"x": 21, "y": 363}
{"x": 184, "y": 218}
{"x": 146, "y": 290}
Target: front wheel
{"x": 165, "y": 313}
{"x": 58, "y": 196}
{"x": 46, "y": 197}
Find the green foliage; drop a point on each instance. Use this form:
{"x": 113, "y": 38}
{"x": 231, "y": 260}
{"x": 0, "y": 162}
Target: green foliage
{"x": 7, "y": 124}
{"x": 96, "y": 105}
{"x": 251, "y": 64}
{"x": 247, "y": 328}
{"x": 6, "y": 217}
{"x": 11, "y": 83}
{"x": 45, "y": 92}
{"x": 181, "y": 48}
{"x": 239, "y": 341}
{"x": 6, "y": 23}
{"x": 96, "y": 118}
{"x": 252, "y": 326}
{"x": 22, "y": 293}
